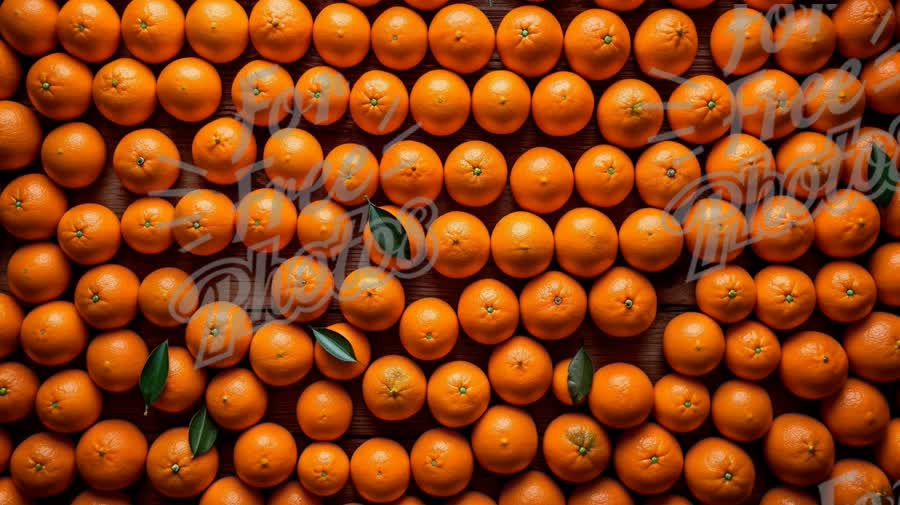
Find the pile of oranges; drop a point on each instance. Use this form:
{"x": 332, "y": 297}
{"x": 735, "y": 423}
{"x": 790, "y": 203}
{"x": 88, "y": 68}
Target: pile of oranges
{"x": 764, "y": 156}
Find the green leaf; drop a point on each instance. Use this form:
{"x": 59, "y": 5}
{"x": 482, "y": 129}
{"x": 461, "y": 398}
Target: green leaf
{"x": 334, "y": 344}
{"x": 154, "y": 375}
{"x": 883, "y": 177}
{"x": 388, "y": 232}
{"x": 202, "y": 432}
{"x": 581, "y": 376}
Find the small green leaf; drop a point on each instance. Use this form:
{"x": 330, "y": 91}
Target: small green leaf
{"x": 334, "y": 344}
{"x": 154, "y": 375}
{"x": 388, "y": 232}
{"x": 581, "y": 376}
{"x": 883, "y": 177}
{"x": 202, "y": 432}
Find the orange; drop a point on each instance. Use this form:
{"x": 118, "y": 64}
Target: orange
{"x": 700, "y": 109}
{"x": 89, "y": 29}
{"x": 562, "y": 104}
{"x": 380, "y": 101}
{"x": 813, "y": 365}
{"x": 881, "y": 90}
{"x": 680, "y": 404}
{"x": 425, "y": 5}
{"x": 21, "y": 134}
{"x": 857, "y": 415}
{"x": 693, "y": 344}
{"x": 322, "y": 95}
{"x": 629, "y": 113}
{"x": 560, "y": 383}
{"x": 36, "y": 273}
{"x": 531, "y": 488}
{"x": 204, "y": 222}
{"x": 371, "y": 299}
{"x": 520, "y": 370}
{"x": 522, "y": 243}
{"x": 441, "y": 463}
{"x": 173, "y": 471}
{"x": 185, "y": 383}
{"x": 488, "y": 311}
{"x": 29, "y": 26}
{"x": 666, "y": 175}
{"x": 553, "y": 306}
{"x": 834, "y": 100}
{"x": 808, "y": 165}
{"x": 787, "y": 496}
{"x": 740, "y": 41}
{"x": 59, "y": 87}
{"x": 106, "y": 296}
{"x": 845, "y": 291}
{"x": 350, "y": 174}
{"x": 399, "y": 38}
{"x": 167, "y": 297}
{"x": 752, "y": 350}
{"x": 715, "y": 231}
{"x": 602, "y": 491}
{"x": 884, "y": 265}
{"x": 341, "y": 34}
{"x": 292, "y": 493}
{"x": 717, "y": 471}
{"x": 505, "y": 440}
{"x": 224, "y": 150}
{"x": 281, "y": 354}
{"x": 91, "y": 497}
{"x": 586, "y": 242}
{"x": 742, "y": 411}
{"x": 781, "y": 230}
{"x": 153, "y": 30}
{"x": 864, "y": 28}
{"x": 324, "y": 411}
{"x": 296, "y": 159}
{"x": 335, "y": 369}
{"x": 266, "y": 220}
{"x": 217, "y": 30}
{"x": 458, "y": 393}
{"x": 110, "y": 455}
{"x": 871, "y": 347}
{"x": 604, "y": 176}
{"x": 887, "y": 452}
{"x": 806, "y": 39}
{"x": 847, "y": 224}
{"x": 475, "y": 173}
{"x": 597, "y": 44}
{"x": 380, "y": 470}
{"x": 231, "y": 490}
{"x": 18, "y": 388}
{"x": 440, "y": 102}
{"x": 457, "y": 243}
{"x": 115, "y": 359}
{"x": 501, "y": 101}
{"x": 786, "y": 297}
{"x": 146, "y": 161}
{"x": 529, "y": 40}
{"x": 68, "y": 402}
{"x": 766, "y": 101}
{"x": 415, "y": 237}
{"x": 858, "y": 481}
{"x": 124, "y": 92}
{"x": 428, "y": 329}
{"x": 411, "y": 174}
{"x": 324, "y": 228}
{"x": 280, "y": 30}
{"x": 43, "y": 465}
{"x": 622, "y": 303}
{"x": 147, "y": 225}
{"x": 576, "y": 448}
{"x": 218, "y": 334}
{"x": 265, "y": 455}
{"x": 53, "y": 334}
{"x": 621, "y": 396}
{"x": 323, "y": 468}
{"x": 11, "y": 312}
{"x": 73, "y": 155}
{"x": 263, "y": 93}
{"x": 394, "y": 388}
{"x": 858, "y": 152}
{"x": 236, "y": 399}
{"x": 728, "y": 295}
{"x": 189, "y": 89}
{"x": 11, "y": 75}
{"x": 665, "y": 43}
{"x": 648, "y": 459}
{"x": 471, "y": 498}
{"x": 461, "y": 38}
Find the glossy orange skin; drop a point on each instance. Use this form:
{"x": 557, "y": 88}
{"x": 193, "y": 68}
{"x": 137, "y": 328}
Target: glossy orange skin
{"x": 884, "y": 265}
{"x": 59, "y": 87}
{"x": 338, "y": 370}
{"x": 341, "y": 34}
{"x": 114, "y": 360}
{"x": 715, "y": 231}
{"x": 787, "y": 496}
{"x": 458, "y": 393}
{"x": 766, "y": 100}
{"x": 168, "y": 297}
{"x": 380, "y": 102}
{"x": 707, "y": 466}
{"x": 21, "y": 386}
{"x": 322, "y": 95}
{"x": 752, "y": 350}
{"x": 742, "y": 411}
{"x": 219, "y": 327}
{"x": 263, "y": 93}
{"x": 859, "y": 480}
{"x": 520, "y": 370}
{"x": 324, "y": 228}
{"x": 440, "y": 102}
{"x": 530, "y": 487}
{"x": 681, "y": 404}
{"x": 11, "y": 73}
{"x": 887, "y": 451}
{"x": 604, "y": 176}
{"x": 562, "y": 104}
{"x": 124, "y": 92}
{"x": 808, "y": 165}
{"x": 534, "y": 56}
{"x": 217, "y": 30}
{"x": 786, "y": 297}
{"x": 458, "y": 243}
{"x": 21, "y": 134}
{"x": 399, "y": 38}
{"x": 597, "y": 44}
{"x": 603, "y": 491}
{"x": 231, "y": 490}
{"x": 622, "y": 396}
{"x": 501, "y": 102}
{"x": 68, "y": 402}
{"x": 441, "y": 462}
{"x": 296, "y": 159}
{"x": 89, "y": 234}
{"x": 89, "y": 29}
{"x": 36, "y": 273}
{"x": 488, "y": 311}
{"x": 292, "y": 493}
{"x": 153, "y": 30}
{"x": 813, "y": 365}
{"x": 29, "y": 26}
{"x": 204, "y": 222}
{"x": 739, "y": 39}
{"x": 781, "y": 230}
{"x": 236, "y": 399}
{"x": 394, "y": 388}
{"x": 629, "y": 113}
{"x": 371, "y": 299}
{"x": 265, "y": 455}
{"x": 586, "y": 242}
{"x": 324, "y": 411}
{"x": 858, "y": 151}
{"x": 53, "y": 334}
{"x": 505, "y": 440}
{"x": 281, "y": 354}
{"x": 665, "y": 43}
{"x": 170, "y": 451}
{"x": 700, "y": 109}
{"x": 147, "y": 225}
{"x": 863, "y": 27}
{"x": 857, "y": 415}
{"x": 728, "y": 295}
{"x": 185, "y": 383}
{"x": 380, "y": 470}
{"x": 146, "y": 161}
{"x": 881, "y": 91}
{"x": 834, "y": 100}
{"x": 73, "y": 155}
{"x": 475, "y": 173}
{"x": 871, "y": 347}
{"x": 189, "y": 89}
{"x": 110, "y": 455}
{"x": 106, "y": 296}
{"x": 666, "y": 175}
{"x": 541, "y": 180}
{"x": 302, "y": 288}
{"x": 622, "y": 303}
{"x": 266, "y": 220}
{"x": 54, "y": 454}
{"x": 428, "y": 329}
{"x": 693, "y": 344}
{"x": 12, "y": 313}
{"x": 522, "y": 244}
{"x": 323, "y": 468}
{"x": 461, "y": 37}
{"x": 411, "y": 174}
{"x": 648, "y": 459}
{"x": 806, "y": 39}
{"x": 280, "y": 30}
{"x": 845, "y": 291}
{"x": 847, "y": 224}
{"x": 350, "y": 174}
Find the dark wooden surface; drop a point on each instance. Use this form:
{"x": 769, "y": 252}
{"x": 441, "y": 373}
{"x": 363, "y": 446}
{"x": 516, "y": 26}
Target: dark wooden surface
{"x": 675, "y": 295}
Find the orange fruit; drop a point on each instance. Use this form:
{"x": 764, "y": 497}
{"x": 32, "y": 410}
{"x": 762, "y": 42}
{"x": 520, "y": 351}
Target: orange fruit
{"x": 505, "y": 440}
{"x": 11, "y": 312}
{"x": 740, "y": 41}
{"x": 781, "y": 230}
{"x": 296, "y": 159}
{"x": 204, "y": 222}
{"x": 665, "y": 43}
{"x": 471, "y": 498}
{"x": 91, "y": 497}
{"x": 147, "y": 225}
{"x": 700, "y": 109}
{"x": 858, "y": 481}
{"x": 266, "y": 220}
{"x": 19, "y": 386}
{"x": 813, "y": 365}
{"x": 520, "y": 370}
{"x": 553, "y": 306}
{"x": 786, "y": 297}
{"x": 845, "y": 291}
{"x": 680, "y": 403}
{"x": 11, "y": 75}
{"x": 110, "y": 456}
{"x": 834, "y": 100}
{"x": 522, "y": 244}
{"x": 381, "y": 102}
{"x": 236, "y": 399}
{"x": 106, "y": 296}
{"x": 728, "y": 295}
{"x": 488, "y": 311}
{"x": 529, "y": 40}
{"x": 858, "y": 152}
{"x": 411, "y": 174}
{"x": 341, "y": 34}
{"x": 399, "y": 38}
{"x": 531, "y": 488}
{"x": 263, "y": 93}
{"x": 324, "y": 410}
{"x": 666, "y": 175}
{"x": 43, "y": 465}
{"x": 281, "y": 354}
{"x": 425, "y": 5}
{"x": 415, "y": 237}
{"x": 73, "y": 155}
{"x": 173, "y": 471}
{"x": 766, "y": 101}
{"x": 501, "y": 101}
{"x": 59, "y": 87}
{"x": 621, "y": 396}
{"x": 648, "y": 459}
{"x": 619, "y": 6}
{"x": 806, "y": 40}
{"x": 428, "y": 329}
{"x": 604, "y": 176}
{"x": 322, "y": 95}
{"x": 380, "y": 470}
{"x": 153, "y": 30}
{"x": 717, "y": 471}
{"x": 36, "y": 273}
{"x": 218, "y": 334}
{"x": 394, "y": 388}
{"x": 440, "y": 102}
{"x": 189, "y": 89}
{"x": 115, "y": 359}
{"x": 752, "y": 350}
{"x": 231, "y": 490}
{"x": 562, "y": 104}
{"x": 629, "y": 113}
{"x": 371, "y": 299}
{"x": 884, "y": 265}
{"x": 847, "y": 224}
{"x": 223, "y": 150}
{"x": 576, "y": 448}
{"x": 693, "y": 344}
{"x": 871, "y": 347}
{"x": 715, "y": 231}
{"x": 857, "y": 415}
{"x": 602, "y": 490}
{"x": 560, "y": 383}
{"x": 887, "y": 452}
{"x": 53, "y": 334}
{"x": 265, "y": 455}
{"x": 457, "y": 243}
{"x": 185, "y": 383}
{"x": 323, "y": 468}
{"x": 586, "y": 242}
{"x": 877, "y": 77}
{"x": 89, "y": 29}
{"x": 622, "y": 303}
{"x": 280, "y": 30}
{"x": 808, "y": 164}
{"x": 146, "y": 161}
{"x": 217, "y": 30}
{"x": 350, "y": 174}
{"x": 21, "y": 134}
{"x": 338, "y": 370}
{"x": 597, "y": 44}
{"x": 742, "y": 411}
{"x": 461, "y": 38}
{"x": 68, "y": 402}
{"x": 292, "y": 493}
{"x": 124, "y": 92}
{"x": 864, "y": 28}
{"x": 29, "y": 26}
{"x": 324, "y": 228}
{"x": 168, "y": 297}
{"x": 458, "y": 393}
{"x": 475, "y": 173}
{"x": 441, "y": 463}
{"x": 787, "y": 496}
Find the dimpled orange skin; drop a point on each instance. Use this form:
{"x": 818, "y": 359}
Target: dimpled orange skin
{"x": 576, "y": 448}
{"x": 168, "y": 297}
{"x": 29, "y": 26}
{"x": 394, "y": 388}
{"x": 735, "y": 55}
{"x": 681, "y": 404}
{"x": 693, "y": 344}
{"x": 648, "y": 459}
{"x": 53, "y": 334}
{"x": 11, "y": 73}
{"x": 766, "y": 102}
{"x": 21, "y": 134}
{"x": 522, "y": 244}
{"x": 586, "y": 242}
{"x": 222, "y": 149}
{"x": 114, "y": 360}
{"x": 603, "y": 491}
{"x": 553, "y": 306}
{"x": 21, "y": 386}
{"x": 293, "y": 493}
{"x": 323, "y": 468}
{"x": 666, "y": 175}
{"x": 146, "y": 161}
{"x": 882, "y": 91}
{"x": 281, "y": 354}
{"x": 11, "y": 312}
{"x": 322, "y": 95}
{"x": 752, "y": 350}
{"x": 501, "y": 101}
{"x": 184, "y": 384}
{"x": 857, "y": 415}
{"x": 324, "y": 411}
{"x": 787, "y": 496}
{"x": 562, "y": 104}
{"x": 324, "y": 228}
{"x": 717, "y": 471}
{"x": 58, "y": 86}
{"x": 872, "y": 347}
{"x": 399, "y": 38}
{"x": 808, "y": 164}
{"x": 520, "y": 370}
{"x": 204, "y": 222}
{"x": 89, "y": 29}
{"x": 106, "y": 296}
{"x": 125, "y": 92}
{"x": 411, "y": 174}
{"x": 864, "y": 27}
{"x": 36, "y": 273}
{"x": 488, "y": 311}
{"x": 541, "y": 180}
{"x": 847, "y": 224}
{"x": 884, "y": 265}
{"x": 147, "y": 225}
{"x": 265, "y": 455}
{"x": 461, "y": 38}
{"x": 350, "y": 174}
{"x": 458, "y": 394}
{"x": 505, "y": 440}
{"x": 68, "y": 402}
{"x": 371, "y": 299}
{"x": 629, "y": 113}
{"x": 379, "y": 102}
{"x": 560, "y": 383}
{"x": 858, "y": 480}
{"x": 475, "y": 174}
{"x": 441, "y": 462}
{"x": 296, "y": 159}
{"x": 665, "y": 43}
{"x": 43, "y": 465}
{"x": 262, "y": 93}
{"x": 89, "y": 234}
{"x": 189, "y": 89}
{"x": 73, "y": 155}
{"x": 219, "y": 327}
{"x": 621, "y": 396}
{"x": 786, "y": 297}
{"x": 280, "y": 30}
{"x": 845, "y": 291}
{"x": 806, "y": 39}
{"x": 428, "y": 329}
{"x": 597, "y": 44}
{"x": 529, "y": 40}
{"x": 471, "y": 498}
{"x": 232, "y": 491}
{"x": 172, "y": 469}
{"x": 341, "y": 34}
{"x": 110, "y": 455}
{"x": 782, "y": 229}
{"x": 700, "y": 109}
{"x": 336, "y": 369}
{"x": 604, "y": 176}
{"x": 715, "y": 230}
{"x": 302, "y": 288}
{"x": 458, "y": 243}
{"x": 531, "y": 488}
{"x": 835, "y": 99}
{"x": 742, "y": 411}
{"x": 217, "y": 30}
{"x": 153, "y": 30}
{"x": 728, "y": 295}
{"x": 622, "y": 303}
{"x": 236, "y": 399}
{"x": 440, "y": 102}
{"x": 266, "y": 220}
{"x": 380, "y": 470}
{"x": 858, "y": 151}
{"x": 813, "y": 365}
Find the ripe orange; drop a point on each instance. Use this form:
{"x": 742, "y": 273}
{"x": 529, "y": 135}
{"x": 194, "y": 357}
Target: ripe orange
{"x": 604, "y": 176}
{"x": 700, "y": 109}
{"x": 231, "y": 490}
{"x": 168, "y": 297}
{"x": 19, "y": 385}
{"x": 782, "y": 229}
{"x": 666, "y": 175}
{"x": 441, "y": 462}
{"x": 742, "y": 411}
{"x": 73, "y": 155}
{"x": 881, "y": 90}
{"x": 350, "y": 174}
{"x": 562, "y": 104}
{"x": 88, "y": 29}
{"x": 36, "y": 273}
{"x": 665, "y": 43}
{"x": 371, "y": 299}
{"x": 91, "y": 497}
{"x": 887, "y": 452}
{"x": 858, "y": 481}
{"x": 597, "y": 44}
{"x": 522, "y": 244}
{"x": 322, "y": 95}
{"x": 458, "y": 393}
{"x": 629, "y": 113}
{"x": 153, "y": 30}
{"x": 381, "y": 102}
{"x": 457, "y": 244}
{"x": 857, "y": 415}
{"x": 530, "y": 487}
{"x": 806, "y": 40}
{"x": 11, "y": 73}
{"x": 114, "y": 360}
{"x": 553, "y": 306}
{"x": 428, "y": 329}
{"x": 124, "y": 92}
{"x": 426, "y": 5}
{"x": 471, "y": 498}
{"x": 808, "y": 164}
{"x": 715, "y": 230}
{"x": 236, "y": 399}
{"x": 280, "y": 30}
{"x": 622, "y": 303}
{"x": 292, "y": 493}
{"x": 296, "y": 159}
{"x": 475, "y": 174}
{"x": 728, "y": 295}
{"x": 189, "y": 89}
{"x": 602, "y": 490}
{"x": 766, "y": 101}
{"x": 787, "y": 496}
{"x": 68, "y": 402}
{"x": 693, "y": 344}
{"x": 173, "y": 471}
{"x": 380, "y": 469}
{"x": 786, "y": 297}
{"x": 204, "y": 222}
{"x": 884, "y": 266}
{"x": 110, "y": 456}
{"x": 281, "y": 354}
{"x": 834, "y": 100}
{"x": 529, "y": 40}
{"x": 341, "y": 34}
{"x": 59, "y": 87}
{"x": 21, "y": 134}
{"x": 323, "y": 468}
{"x": 146, "y": 161}
{"x": 324, "y": 411}
{"x": 559, "y": 385}
{"x": 845, "y": 291}
{"x": 871, "y": 347}
{"x": 53, "y": 334}
{"x": 29, "y": 26}
{"x": 440, "y": 102}
{"x": 223, "y": 150}
{"x": 147, "y": 225}
{"x": 394, "y": 388}
{"x": 217, "y": 30}
{"x": 740, "y": 40}
{"x": 263, "y": 93}
{"x": 488, "y": 311}
{"x": 813, "y": 365}
{"x": 185, "y": 383}
{"x": 505, "y": 440}
{"x": 461, "y": 38}
{"x": 399, "y": 38}
{"x": 752, "y": 350}
{"x": 648, "y": 459}
{"x": 501, "y": 101}
{"x": 576, "y": 448}
{"x": 324, "y": 229}
{"x": 265, "y": 455}
{"x": 717, "y": 471}
{"x": 541, "y": 180}
{"x": 621, "y": 396}
{"x": 520, "y": 370}
{"x": 864, "y": 28}
{"x": 106, "y": 296}
{"x": 586, "y": 242}
{"x": 266, "y": 220}
{"x": 858, "y": 152}
{"x": 680, "y": 403}
{"x": 11, "y": 312}
{"x": 218, "y": 334}
{"x": 847, "y": 224}
{"x": 411, "y": 174}
{"x": 335, "y": 369}
{"x": 43, "y": 465}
